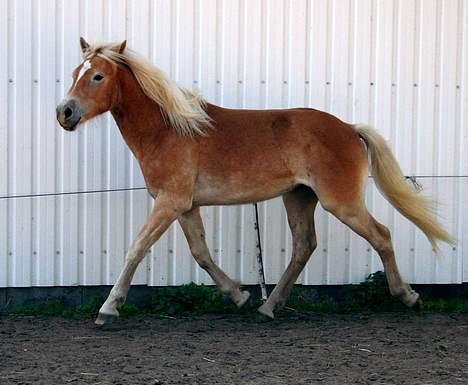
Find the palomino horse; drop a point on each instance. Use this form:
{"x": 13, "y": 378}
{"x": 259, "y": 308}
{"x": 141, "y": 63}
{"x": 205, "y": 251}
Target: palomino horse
{"x": 194, "y": 153}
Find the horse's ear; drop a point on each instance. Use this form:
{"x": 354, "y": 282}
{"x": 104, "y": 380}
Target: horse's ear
{"x": 120, "y": 48}
{"x": 84, "y": 45}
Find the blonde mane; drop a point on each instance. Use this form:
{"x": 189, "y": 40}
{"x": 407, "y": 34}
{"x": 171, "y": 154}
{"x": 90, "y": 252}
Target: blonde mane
{"x": 183, "y": 109}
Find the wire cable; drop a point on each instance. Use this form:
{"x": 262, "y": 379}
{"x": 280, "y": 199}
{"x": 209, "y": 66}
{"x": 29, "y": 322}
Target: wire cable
{"x": 39, "y": 195}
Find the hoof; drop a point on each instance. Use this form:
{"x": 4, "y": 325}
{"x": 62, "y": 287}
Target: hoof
{"x": 266, "y": 310}
{"x": 103, "y": 318}
{"x": 242, "y": 299}
{"x": 419, "y": 304}
{"x": 412, "y": 299}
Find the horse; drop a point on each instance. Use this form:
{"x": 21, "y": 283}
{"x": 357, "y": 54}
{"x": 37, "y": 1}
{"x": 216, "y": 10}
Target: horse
{"x": 193, "y": 153}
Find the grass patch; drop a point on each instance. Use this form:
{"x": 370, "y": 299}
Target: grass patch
{"x": 451, "y": 305}
{"x": 192, "y": 299}
{"x": 52, "y": 307}
{"x": 371, "y": 295}
{"x": 185, "y": 300}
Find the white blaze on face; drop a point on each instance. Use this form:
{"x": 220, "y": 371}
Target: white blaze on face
{"x": 86, "y": 66}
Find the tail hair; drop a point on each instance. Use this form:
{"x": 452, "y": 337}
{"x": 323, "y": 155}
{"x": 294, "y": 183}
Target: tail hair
{"x": 391, "y": 182}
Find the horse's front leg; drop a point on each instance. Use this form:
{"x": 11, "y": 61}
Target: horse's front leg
{"x": 165, "y": 211}
{"x": 192, "y": 225}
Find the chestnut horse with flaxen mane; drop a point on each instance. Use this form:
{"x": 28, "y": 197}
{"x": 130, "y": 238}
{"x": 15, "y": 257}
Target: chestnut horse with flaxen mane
{"x": 193, "y": 153}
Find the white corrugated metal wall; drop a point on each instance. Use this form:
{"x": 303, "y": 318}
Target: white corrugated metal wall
{"x": 400, "y": 65}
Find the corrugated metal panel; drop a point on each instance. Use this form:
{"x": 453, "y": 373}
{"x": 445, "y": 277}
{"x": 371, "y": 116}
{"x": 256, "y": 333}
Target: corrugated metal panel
{"x": 400, "y": 65}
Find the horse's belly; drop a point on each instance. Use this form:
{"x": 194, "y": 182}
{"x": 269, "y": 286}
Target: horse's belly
{"x": 231, "y": 191}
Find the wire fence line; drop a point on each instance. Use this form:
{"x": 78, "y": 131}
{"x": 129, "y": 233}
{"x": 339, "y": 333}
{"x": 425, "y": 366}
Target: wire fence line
{"x": 124, "y": 189}
{"x": 39, "y": 195}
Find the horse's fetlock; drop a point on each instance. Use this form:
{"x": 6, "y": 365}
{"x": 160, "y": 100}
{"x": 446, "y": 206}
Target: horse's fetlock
{"x": 281, "y": 302}
{"x": 397, "y": 292}
{"x": 226, "y": 289}
{"x": 117, "y": 298}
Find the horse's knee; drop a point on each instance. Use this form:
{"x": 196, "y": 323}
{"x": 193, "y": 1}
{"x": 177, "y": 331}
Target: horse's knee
{"x": 134, "y": 256}
{"x": 383, "y": 231}
{"x": 384, "y": 244}
{"x": 308, "y": 248}
{"x": 200, "y": 255}
{"x": 204, "y": 263}
{"x": 304, "y": 249}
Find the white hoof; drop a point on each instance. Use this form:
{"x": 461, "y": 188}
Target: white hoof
{"x": 266, "y": 310}
{"x": 412, "y": 299}
{"x": 106, "y": 316}
{"x": 242, "y": 298}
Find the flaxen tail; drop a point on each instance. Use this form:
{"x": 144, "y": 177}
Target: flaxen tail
{"x": 391, "y": 182}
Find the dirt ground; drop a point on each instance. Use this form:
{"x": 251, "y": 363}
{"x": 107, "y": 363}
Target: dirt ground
{"x": 293, "y": 349}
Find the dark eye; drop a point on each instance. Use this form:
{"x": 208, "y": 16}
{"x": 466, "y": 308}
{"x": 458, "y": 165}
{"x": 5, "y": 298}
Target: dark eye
{"x": 98, "y": 77}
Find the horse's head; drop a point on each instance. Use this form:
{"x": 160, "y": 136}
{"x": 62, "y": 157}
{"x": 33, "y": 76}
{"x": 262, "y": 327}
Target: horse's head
{"x": 94, "y": 89}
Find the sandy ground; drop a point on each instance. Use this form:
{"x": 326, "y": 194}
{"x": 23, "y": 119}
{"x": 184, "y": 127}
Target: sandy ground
{"x": 390, "y": 348}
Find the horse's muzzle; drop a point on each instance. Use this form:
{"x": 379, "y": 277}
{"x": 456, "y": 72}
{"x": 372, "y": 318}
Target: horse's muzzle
{"x": 69, "y": 114}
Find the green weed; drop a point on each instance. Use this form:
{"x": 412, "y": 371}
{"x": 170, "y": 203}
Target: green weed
{"x": 192, "y": 299}
{"x": 54, "y": 307}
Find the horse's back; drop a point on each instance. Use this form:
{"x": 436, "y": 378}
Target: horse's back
{"x": 283, "y": 148}
{"x": 298, "y": 135}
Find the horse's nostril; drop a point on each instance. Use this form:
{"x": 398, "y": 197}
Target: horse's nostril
{"x": 68, "y": 112}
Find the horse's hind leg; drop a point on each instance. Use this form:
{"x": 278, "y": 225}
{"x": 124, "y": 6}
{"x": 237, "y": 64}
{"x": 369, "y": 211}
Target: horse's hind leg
{"x": 194, "y": 231}
{"x": 300, "y": 206}
{"x": 358, "y": 219}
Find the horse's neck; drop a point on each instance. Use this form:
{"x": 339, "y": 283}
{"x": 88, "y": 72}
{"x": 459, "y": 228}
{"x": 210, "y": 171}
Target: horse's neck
{"x": 139, "y": 119}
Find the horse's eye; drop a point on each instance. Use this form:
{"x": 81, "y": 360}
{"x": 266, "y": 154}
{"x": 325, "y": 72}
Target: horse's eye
{"x": 98, "y": 77}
